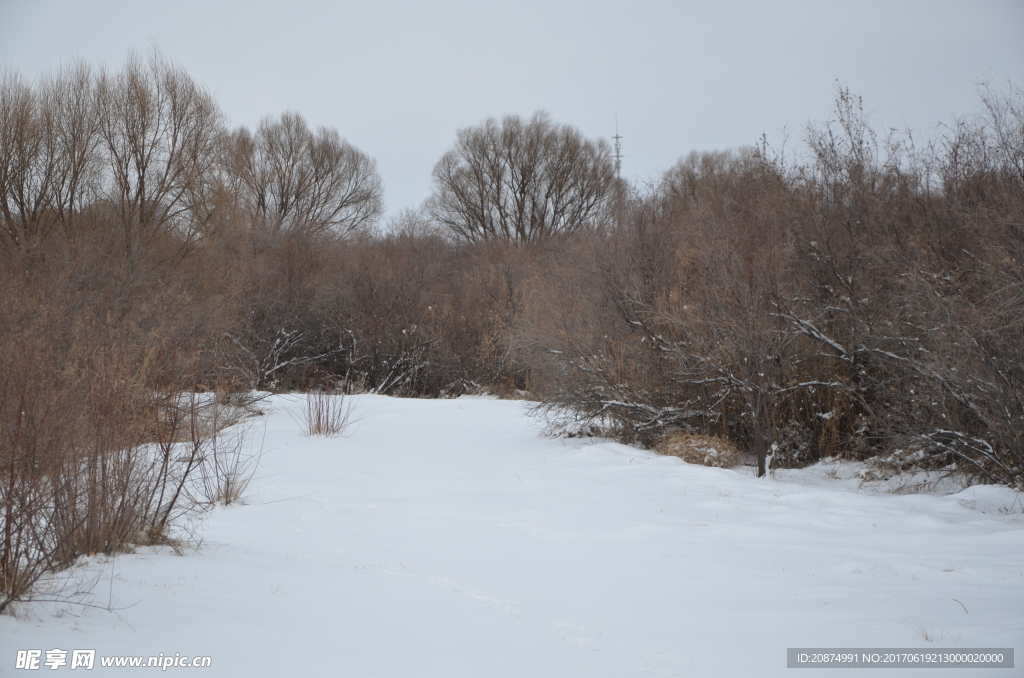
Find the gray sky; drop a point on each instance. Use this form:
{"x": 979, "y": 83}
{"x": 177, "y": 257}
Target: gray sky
{"x": 397, "y": 78}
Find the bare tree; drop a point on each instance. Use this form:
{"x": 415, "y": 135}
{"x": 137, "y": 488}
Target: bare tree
{"x": 292, "y": 178}
{"x": 33, "y": 169}
{"x": 48, "y": 152}
{"x": 69, "y": 98}
{"x": 521, "y": 180}
{"x": 159, "y": 131}
{"x": 23, "y": 183}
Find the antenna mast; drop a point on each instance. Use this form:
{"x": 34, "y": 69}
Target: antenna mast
{"x": 618, "y": 150}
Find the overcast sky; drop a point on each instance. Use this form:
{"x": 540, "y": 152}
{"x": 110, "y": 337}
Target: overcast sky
{"x": 397, "y": 78}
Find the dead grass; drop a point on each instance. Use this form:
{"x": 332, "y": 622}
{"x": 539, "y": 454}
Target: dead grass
{"x": 700, "y": 449}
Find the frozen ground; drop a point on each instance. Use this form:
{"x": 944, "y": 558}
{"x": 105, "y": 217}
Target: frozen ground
{"x": 449, "y": 538}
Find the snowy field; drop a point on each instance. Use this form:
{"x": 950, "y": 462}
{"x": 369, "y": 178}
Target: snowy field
{"x": 450, "y": 538}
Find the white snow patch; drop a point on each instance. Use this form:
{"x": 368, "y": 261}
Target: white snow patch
{"x": 450, "y": 538}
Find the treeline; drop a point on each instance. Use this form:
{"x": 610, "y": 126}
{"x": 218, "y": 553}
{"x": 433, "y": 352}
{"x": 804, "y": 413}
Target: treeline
{"x": 865, "y": 298}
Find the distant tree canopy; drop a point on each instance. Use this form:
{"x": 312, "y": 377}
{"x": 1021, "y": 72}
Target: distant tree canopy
{"x": 289, "y": 177}
{"x": 521, "y": 180}
{"x": 147, "y": 149}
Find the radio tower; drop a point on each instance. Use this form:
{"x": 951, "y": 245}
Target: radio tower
{"x": 618, "y": 150}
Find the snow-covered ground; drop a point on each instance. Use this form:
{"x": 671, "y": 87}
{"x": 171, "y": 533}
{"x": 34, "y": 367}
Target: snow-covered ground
{"x": 450, "y": 538}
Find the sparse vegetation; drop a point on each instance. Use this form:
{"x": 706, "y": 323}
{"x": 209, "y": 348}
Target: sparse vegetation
{"x": 327, "y": 414}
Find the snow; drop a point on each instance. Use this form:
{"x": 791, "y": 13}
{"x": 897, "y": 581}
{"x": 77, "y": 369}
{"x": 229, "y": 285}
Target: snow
{"x": 451, "y": 538}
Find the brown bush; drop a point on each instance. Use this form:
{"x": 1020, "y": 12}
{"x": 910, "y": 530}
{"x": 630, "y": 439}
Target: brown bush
{"x": 863, "y": 300}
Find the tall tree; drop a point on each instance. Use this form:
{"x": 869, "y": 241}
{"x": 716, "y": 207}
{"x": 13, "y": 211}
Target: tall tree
{"x": 521, "y": 180}
{"x": 290, "y": 178}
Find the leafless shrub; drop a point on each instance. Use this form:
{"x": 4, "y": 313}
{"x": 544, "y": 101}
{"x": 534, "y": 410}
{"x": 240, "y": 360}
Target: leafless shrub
{"x": 76, "y": 476}
{"x": 31, "y": 428}
{"x": 327, "y": 413}
{"x": 417, "y": 316}
{"x": 230, "y": 455}
{"x": 98, "y": 439}
{"x": 849, "y": 305}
